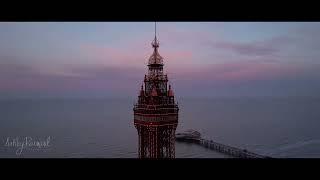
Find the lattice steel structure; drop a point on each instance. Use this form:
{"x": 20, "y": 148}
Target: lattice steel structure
{"x": 156, "y": 112}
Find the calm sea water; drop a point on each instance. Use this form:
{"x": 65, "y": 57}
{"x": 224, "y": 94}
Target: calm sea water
{"x": 278, "y": 127}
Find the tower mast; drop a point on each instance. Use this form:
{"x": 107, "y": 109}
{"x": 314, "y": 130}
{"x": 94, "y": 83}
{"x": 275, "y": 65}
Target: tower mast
{"x": 155, "y": 30}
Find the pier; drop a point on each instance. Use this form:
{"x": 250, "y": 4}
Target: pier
{"x": 192, "y": 136}
{"x": 229, "y": 150}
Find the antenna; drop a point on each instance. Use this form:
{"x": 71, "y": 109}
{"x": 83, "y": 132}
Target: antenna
{"x": 155, "y": 30}
{"x": 155, "y": 43}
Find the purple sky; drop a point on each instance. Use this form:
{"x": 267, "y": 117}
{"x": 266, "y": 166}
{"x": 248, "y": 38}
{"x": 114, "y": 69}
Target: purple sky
{"x": 202, "y": 59}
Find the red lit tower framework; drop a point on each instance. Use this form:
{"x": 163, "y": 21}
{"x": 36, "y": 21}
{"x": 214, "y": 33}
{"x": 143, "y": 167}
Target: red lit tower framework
{"x": 156, "y": 112}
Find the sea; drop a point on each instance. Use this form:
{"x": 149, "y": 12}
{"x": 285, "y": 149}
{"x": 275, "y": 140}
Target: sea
{"x": 280, "y": 127}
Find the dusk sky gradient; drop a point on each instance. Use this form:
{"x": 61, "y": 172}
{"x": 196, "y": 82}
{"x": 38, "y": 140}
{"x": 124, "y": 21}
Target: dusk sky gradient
{"x": 202, "y": 59}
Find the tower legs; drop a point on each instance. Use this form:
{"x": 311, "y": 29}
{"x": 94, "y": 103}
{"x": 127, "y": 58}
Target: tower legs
{"x": 156, "y": 141}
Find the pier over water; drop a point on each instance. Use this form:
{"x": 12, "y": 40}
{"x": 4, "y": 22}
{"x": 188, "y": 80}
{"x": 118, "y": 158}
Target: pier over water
{"x": 192, "y": 136}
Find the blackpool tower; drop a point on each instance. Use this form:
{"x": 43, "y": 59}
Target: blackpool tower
{"x": 156, "y": 112}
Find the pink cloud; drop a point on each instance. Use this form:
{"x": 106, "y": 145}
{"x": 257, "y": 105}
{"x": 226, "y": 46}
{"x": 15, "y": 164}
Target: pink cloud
{"x": 173, "y": 34}
{"x": 248, "y": 48}
{"x": 177, "y": 58}
{"x": 134, "y": 55}
{"x": 111, "y": 56}
{"x": 265, "y": 48}
{"x": 238, "y": 71}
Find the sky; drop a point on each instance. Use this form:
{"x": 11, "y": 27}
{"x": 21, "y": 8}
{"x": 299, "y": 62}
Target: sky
{"x": 202, "y": 59}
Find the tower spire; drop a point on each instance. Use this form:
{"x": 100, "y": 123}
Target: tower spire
{"x": 155, "y": 43}
{"x": 155, "y": 30}
{"x": 155, "y": 58}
